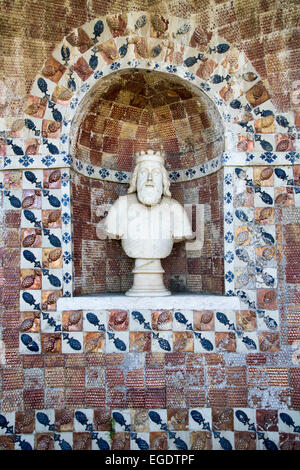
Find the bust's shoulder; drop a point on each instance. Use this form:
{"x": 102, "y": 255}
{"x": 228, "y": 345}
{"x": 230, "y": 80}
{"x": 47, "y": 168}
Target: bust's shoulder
{"x": 173, "y": 203}
{"x": 122, "y": 202}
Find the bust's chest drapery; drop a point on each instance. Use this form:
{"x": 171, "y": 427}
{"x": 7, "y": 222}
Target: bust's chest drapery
{"x": 129, "y": 219}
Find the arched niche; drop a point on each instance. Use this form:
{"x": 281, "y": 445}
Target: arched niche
{"x": 126, "y": 112}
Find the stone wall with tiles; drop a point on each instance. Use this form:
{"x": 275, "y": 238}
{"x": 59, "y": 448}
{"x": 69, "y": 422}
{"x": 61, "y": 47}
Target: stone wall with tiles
{"x": 66, "y": 374}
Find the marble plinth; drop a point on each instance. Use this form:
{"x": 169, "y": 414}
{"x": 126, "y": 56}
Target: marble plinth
{"x": 122, "y": 302}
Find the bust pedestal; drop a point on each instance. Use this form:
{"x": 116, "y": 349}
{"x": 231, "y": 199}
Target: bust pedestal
{"x": 147, "y": 279}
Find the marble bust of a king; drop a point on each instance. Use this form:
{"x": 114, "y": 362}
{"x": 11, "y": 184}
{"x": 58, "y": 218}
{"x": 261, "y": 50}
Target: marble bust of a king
{"x": 148, "y": 221}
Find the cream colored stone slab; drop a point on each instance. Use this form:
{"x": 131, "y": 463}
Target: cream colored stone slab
{"x": 174, "y": 301}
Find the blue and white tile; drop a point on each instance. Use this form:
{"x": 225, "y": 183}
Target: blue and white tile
{"x": 64, "y": 438}
{"x": 184, "y": 436}
{"x": 196, "y": 423}
{"x": 178, "y": 326}
{"x": 37, "y": 253}
{"x": 51, "y": 328}
{"x": 264, "y": 444}
{"x": 207, "y": 335}
{"x": 264, "y": 279}
{"x": 66, "y": 343}
{"x": 88, "y": 413}
{"x": 218, "y": 442}
{"x": 240, "y": 425}
{"x": 15, "y": 147}
{"x": 46, "y": 242}
{"x": 231, "y": 317}
{"x": 10, "y": 418}
{"x": 284, "y": 122}
{"x": 246, "y": 256}
{"x": 247, "y": 342}
{"x": 37, "y": 297}
{"x": 127, "y": 418}
{"x": 289, "y": 421}
{"x": 49, "y": 111}
{"x": 57, "y": 193}
{"x": 12, "y": 199}
{"x": 268, "y": 320}
{"x": 111, "y": 345}
{"x": 140, "y": 435}
{"x": 246, "y": 296}
{"x": 283, "y": 176}
{"x": 258, "y": 201}
{"x": 35, "y": 90}
{"x": 37, "y": 214}
{"x": 31, "y": 339}
{"x": 42, "y": 417}
{"x": 100, "y": 314}
{"x": 33, "y": 128}
{"x": 137, "y": 326}
{"x": 268, "y": 230}
{"x": 103, "y": 438}
{"x": 24, "y": 438}
{"x": 31, "y": 185}
{"x": 154, "y": 426}
{"x": 243, "y": 216}
{"x": 47, "y": 285}
{"x": 164, "y": 336}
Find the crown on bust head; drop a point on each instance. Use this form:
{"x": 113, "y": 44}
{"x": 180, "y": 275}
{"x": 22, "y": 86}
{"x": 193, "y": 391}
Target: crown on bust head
{"x": 149, "y": 156}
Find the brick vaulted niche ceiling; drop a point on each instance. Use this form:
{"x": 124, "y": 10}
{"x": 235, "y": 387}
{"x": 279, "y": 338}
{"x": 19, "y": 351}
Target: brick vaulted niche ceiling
{"x": 125, "y": 113}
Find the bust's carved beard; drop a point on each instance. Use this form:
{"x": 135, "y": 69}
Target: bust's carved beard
{"x": 149, "y": 195}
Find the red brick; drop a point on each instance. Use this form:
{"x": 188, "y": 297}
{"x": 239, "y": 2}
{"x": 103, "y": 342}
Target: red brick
{"x": 135, "y": 398}
{"x": 110, "y": 144}
{"x": 256, "y": 359}
{"x": 195, "y": 377}
{"x": 115, "y": 398}
{"x": 292, "y": 272}
{"x": 236, "y": 376}
{"x": 237, "y": 397}
{"x": 10, "y": 337}
{"x": 295, "y": 378}
{"x": 135, "y": 378}
{"x": 11, "y": 319}
{"x": 33, "y": 399}
{"x": 295, "y": 400}
{"x": 292, "y": 233}
{"x": 75, "y": 377}
{"x": 13, "y": 358}
{"x": 195, "y": 398}
{"x": 12, "y": 379}
{"x": 155, "y": 398}
{"x": 32, "y": 361}
{"x": 155, "y": 378}
{"x": 75, "y": 397}
{"x": 217, "y": 397}
{"x": 95, "y": 398}
{"x": 12, "y": 219}
{"x": 11, "y": 299}
{"x": 114, "y": 377}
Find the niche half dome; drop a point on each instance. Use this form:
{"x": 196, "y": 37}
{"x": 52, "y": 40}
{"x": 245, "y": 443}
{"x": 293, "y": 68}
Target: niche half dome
{"x": 135, "y": 110}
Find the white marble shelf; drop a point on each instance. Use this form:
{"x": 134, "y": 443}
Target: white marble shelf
{"x": 122, "y": 302}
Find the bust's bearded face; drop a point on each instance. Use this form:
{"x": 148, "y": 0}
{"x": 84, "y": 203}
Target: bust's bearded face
{"x": 149, "y": 183}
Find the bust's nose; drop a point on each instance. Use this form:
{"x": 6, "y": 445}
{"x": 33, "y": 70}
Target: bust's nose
{"x": 149, "y": 177}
